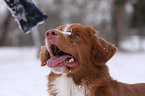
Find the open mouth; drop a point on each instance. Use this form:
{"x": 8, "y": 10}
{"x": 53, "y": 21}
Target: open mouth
{"x": 60, "y": 58}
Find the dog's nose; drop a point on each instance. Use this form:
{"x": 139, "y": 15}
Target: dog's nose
{"x": 51, "y": 33}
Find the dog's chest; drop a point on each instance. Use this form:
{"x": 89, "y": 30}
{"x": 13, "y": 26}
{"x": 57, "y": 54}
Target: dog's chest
{"x": 65, "y": 86}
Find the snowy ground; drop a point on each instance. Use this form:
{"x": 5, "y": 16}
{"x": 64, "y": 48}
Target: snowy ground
{"x": 21, "y": 74}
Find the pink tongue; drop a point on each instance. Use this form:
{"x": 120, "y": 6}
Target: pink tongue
{"x": 57, "y": 60}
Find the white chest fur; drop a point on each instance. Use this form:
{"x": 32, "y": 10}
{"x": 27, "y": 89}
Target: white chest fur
{"x": 65, "y": 86}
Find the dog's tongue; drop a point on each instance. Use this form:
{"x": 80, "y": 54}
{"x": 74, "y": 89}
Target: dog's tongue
{"x": 58, "y": 60}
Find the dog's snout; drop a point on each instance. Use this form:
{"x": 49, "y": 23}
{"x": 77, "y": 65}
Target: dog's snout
{"x": 51, "y": 33}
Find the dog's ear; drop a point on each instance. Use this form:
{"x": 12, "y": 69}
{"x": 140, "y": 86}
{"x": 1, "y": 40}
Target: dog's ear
{"x": 44, "y": 55}
{"x": 102, "y": 51}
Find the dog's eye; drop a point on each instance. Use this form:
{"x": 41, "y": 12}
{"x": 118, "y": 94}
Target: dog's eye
{"x": 77, "y": 36}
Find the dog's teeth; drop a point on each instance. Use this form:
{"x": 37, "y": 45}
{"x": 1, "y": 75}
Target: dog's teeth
{"x": 71, "y": 60}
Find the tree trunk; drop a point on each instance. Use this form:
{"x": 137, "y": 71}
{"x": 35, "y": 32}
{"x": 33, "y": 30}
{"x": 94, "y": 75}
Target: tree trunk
{"x": 118, "y": 12}
{"x": 36, "y": 39}
{"x": 5, "y": 28}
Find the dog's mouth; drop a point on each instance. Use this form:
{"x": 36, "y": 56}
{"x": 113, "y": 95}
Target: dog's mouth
{"x": 60, "y": 58}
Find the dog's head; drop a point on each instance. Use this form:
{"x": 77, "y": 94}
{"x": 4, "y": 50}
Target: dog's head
{"x": 71, "y": 48}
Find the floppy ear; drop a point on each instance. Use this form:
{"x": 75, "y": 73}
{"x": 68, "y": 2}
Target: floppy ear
{"x": 102, "y": 51}
{"x": 44, "y": 55}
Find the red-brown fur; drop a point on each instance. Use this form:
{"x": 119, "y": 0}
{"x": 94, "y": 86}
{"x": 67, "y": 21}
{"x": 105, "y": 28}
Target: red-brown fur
{"x": 92, "y": 53}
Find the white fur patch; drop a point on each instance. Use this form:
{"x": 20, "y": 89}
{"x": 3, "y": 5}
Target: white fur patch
{"x": 66, "y": 33}
{"x": 66, "y": 30}
{"x": 58, "y": 70}
{"x": 65, "y": 86}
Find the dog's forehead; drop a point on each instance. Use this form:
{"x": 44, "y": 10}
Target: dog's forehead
{"x": 65, "y": 29}
{"x": 62, "y": 27}
{"x": 71, "y": 28}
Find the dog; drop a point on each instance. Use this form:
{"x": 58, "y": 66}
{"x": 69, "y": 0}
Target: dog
{"x": 77, "y": 58}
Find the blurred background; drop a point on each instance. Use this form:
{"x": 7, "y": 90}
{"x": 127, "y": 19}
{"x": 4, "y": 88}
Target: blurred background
{"x": 120, "y": 22}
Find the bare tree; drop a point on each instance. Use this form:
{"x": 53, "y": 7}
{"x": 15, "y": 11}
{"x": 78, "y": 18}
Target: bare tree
{"x": 118, "y": 13}
{"x": 138, "y": 20}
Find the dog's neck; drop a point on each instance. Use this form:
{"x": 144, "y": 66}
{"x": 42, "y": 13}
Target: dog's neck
{"x": 84, "y": 83}
{"x": 91, "y": 76}
{"x": 90, "y": 80}
{"x": 65, "y": 85}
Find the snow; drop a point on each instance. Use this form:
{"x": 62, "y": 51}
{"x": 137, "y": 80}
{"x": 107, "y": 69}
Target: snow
{"x": 128, "y": 67}
{"x": 133, "y": 43}
{"x": 66, "y": 33}
{"x": 22, "y": 75}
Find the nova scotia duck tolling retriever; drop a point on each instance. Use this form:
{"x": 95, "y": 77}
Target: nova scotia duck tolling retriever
{"x": 77, "y": 59}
